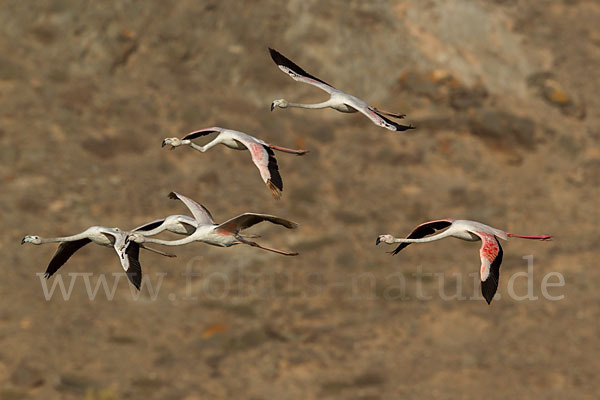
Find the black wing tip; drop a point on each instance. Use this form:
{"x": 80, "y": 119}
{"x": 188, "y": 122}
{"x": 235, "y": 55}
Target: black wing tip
{"x": 488, "y": 289}
{"x": 196, "y": 134}
{"x": 400, "y": 128}
{"x": 134, "y": 273}
{"x": 283, "y": 61}
{"x": 399, "y": 248}
{"x": 273, "y": 169}
{"x": 136, "y": 279}
{"x": 276, "y": 56}
{"x": 149, "y": 226}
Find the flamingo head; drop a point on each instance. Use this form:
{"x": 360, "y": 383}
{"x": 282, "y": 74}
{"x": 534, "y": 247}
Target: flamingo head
{"x": 281, "y": 103}
{"x": 135, "y": 237}
{"x": 174, "y": 142}
{"x": 31, "y": 239}
{"x": 389, "y": 239}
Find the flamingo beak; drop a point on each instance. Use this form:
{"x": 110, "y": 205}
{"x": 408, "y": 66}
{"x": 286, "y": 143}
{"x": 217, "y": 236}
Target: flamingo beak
{"x": 377, "y": 241}
{"x": 272, "y": 106}
{"x": 23, "y": 241}
{"x": 164, "y": 143}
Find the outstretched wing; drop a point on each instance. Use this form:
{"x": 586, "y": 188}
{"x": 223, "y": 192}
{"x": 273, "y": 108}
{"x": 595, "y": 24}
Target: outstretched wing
{"x": 129, "y": 253}
{"x": 377, "y": 118}
{"x": 200, "y": 213}
{"x": 491, "y": 258}
{"x": 149, "y": 226}
{"x": 427, "y": 228}
{"x": 246, "y": 220}
{"x": 63, "y": 253}
{"x": 297, "y": 73}
{"x": 264, "y": 159}
{"x": 201, "y": 132}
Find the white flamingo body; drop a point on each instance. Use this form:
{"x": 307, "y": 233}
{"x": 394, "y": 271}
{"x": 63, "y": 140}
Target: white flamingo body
{"x": 210, "y": 234}
{"x": 237, "y": 140}
{"x": 338, "y": 100}
{"x": 261, "y": 152}
{"x": 108, "y": 237}
{"x": 226, "y": 234}
{"x": 490, "y": 253}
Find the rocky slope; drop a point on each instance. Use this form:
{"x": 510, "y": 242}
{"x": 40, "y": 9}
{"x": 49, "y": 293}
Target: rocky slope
{"x": 504, "y": 95}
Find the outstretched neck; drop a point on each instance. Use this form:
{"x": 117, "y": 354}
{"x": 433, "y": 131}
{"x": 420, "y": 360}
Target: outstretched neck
{"x": 185, "y": 240}
{"x": 324, "y": 104}
{"x": 82, "y": 235}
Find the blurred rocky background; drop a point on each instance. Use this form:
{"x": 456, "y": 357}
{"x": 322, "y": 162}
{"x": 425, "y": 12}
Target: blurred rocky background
{"x": 505, "y": 98}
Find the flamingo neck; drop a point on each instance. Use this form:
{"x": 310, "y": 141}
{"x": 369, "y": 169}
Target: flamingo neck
{"x": 72, "y": 238}
{"x": 324, "y": 104}
{"x": 185, "y": 240}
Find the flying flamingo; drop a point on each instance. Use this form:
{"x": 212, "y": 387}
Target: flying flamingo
{"x": 490, "y": 251}
{"x": 338, "y": 100}
{"x": 225, "y": 235}
{"x": 110, "y": 237}
{"x": 262, "y": 152}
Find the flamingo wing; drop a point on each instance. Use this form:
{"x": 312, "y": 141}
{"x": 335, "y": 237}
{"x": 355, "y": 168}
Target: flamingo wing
{"x": 149, "y": 225}
{"x": 129, "y": 253}
{"x": 377, "y": 118}
{"x": 246, "y": 220}
{"x": 491, "y": 258}
{"x": 201, "y": 132}
{"x": 264, "y": 159}
{"x": 200, "y": 213}
{"x": 426, "y": 228}
{"x": 297, "y": 73}
{"x": 63, "y": 253}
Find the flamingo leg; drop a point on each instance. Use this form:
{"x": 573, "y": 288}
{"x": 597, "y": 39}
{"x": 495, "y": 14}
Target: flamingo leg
{"x": 157, "y": 251}
{"x": 286, "y": 150}
{"x": 283, "y": 252}
{"x": 390, "y": 114}
{"x": 540, "y": 237}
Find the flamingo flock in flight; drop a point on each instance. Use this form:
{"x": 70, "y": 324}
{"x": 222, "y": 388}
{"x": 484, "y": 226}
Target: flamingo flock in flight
{"x": 201, "y": 227}
{"x": 226, "y": 234}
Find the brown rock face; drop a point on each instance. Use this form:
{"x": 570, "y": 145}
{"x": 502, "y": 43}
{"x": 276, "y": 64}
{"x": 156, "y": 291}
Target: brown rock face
{"x": 504, "y": 96}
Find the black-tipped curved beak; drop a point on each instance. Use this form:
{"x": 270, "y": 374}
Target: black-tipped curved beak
{"x": 164, "y": 143}
{"x": 377, "y": 241}
{"x": 272, "y": 106}
{"x": 23, "y": 241}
